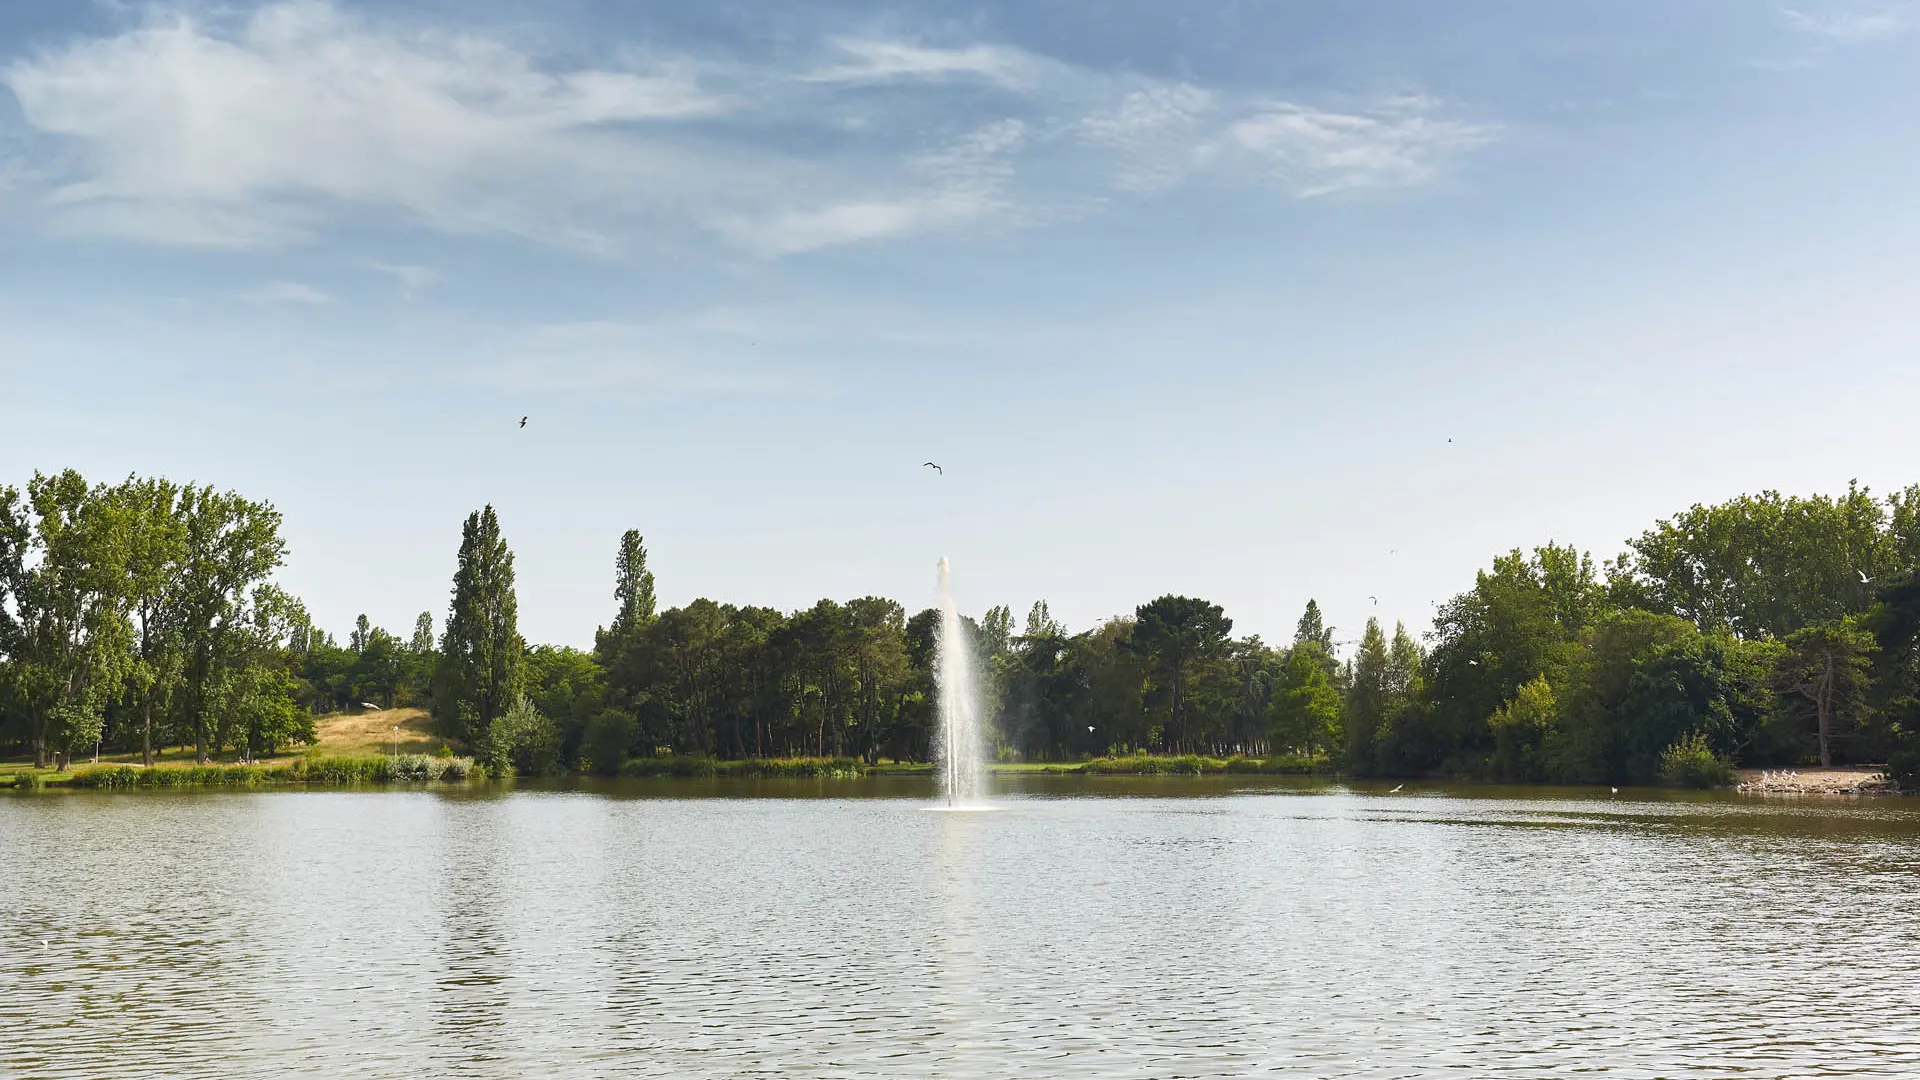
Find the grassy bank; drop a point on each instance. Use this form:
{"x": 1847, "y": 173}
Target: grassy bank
{"x": 313, "y": 770}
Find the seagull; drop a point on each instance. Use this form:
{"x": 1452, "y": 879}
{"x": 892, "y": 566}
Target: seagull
{"x": 1089, "y": 727}
{"x": 1396, "y": 789}
{"x": 935, "y": 468}
{"x": 370, "y": 705}
{"x": 1864, "y": 580}
{"x": 523, "y": 421}
{"x": 1615, "y": 790}
{"x": 1473, "y": 663}
{"x": 1375, "y": 599}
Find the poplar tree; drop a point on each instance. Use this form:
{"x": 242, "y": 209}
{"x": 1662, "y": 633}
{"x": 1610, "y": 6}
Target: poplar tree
{"x": 632, "y": 586}
{"x": 481, "y": 652}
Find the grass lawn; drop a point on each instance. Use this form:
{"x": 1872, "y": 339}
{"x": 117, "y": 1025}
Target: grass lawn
{"x": 356, "y": 734}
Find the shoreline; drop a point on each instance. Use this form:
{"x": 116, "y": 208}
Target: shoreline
{"x": 1853, "y": 780}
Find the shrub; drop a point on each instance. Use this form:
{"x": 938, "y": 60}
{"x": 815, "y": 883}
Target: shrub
{"x": 523, "y": 742}
{"x": 676, "y": 765}
{"x": 1691, "y": 762}
{"x": 422, "y": 768}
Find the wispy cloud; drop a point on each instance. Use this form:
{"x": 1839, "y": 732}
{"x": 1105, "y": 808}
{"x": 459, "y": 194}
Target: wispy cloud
{"x": 413, "y": 279}
{"x": 266, "y": 128}
{"x": 868, "y": 60}
{"x": 1849, "y": 27}
{"x": 1170, "y": 134}
{"x": 286, "y": 292}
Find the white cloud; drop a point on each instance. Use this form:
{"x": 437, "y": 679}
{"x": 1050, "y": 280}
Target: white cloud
{"x": 1169, "y": 134}
{"x": 269, "y": 128}
{"x": 1848, "y": 27}
{"x": 870, "y": 60}
{"x": 1317, "y": 152}
{"x": 248, "y": 134}
{"x": 962, "y": 183}
{"x": 286, "y": 292}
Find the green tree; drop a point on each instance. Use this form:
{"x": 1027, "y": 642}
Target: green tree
{"x": 1522, "y": 728}
{"x": 1767, "y": 565}
{"x": 1313, "y": 628}
{"x": 632, "y": 586}
{"x": 481, "y": 652}
{"x": 1370, "y": 697}
{"x": 1178, "y": 635}
{"x": 1825, "y": 669}
{"x": 73, "y": 640}
{"x": 233, "y": 546}
{"x": 567, "y": 686}
{"x": 422, "y": 642}
{"x": 156, "y": 551}
{"x": 1305, "y": 711}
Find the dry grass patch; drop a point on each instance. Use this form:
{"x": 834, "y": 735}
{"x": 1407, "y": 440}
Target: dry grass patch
{"x": 361, "y": 734}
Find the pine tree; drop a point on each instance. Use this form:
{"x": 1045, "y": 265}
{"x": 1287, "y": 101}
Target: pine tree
{"x": 1312, "y": 628}
{"x": 481, "y": 652}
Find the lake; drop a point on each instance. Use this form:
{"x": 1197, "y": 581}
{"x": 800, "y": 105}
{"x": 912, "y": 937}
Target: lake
{"x": 1146, "y": 927}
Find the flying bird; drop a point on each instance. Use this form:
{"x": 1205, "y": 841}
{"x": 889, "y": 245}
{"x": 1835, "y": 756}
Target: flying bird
{"x": 935, "y": 468}
{"x": 1615, "y": 790}
{"x": 1863, "y": 576}
{"x": 523, "y": 421}
{"x": 370, "y": 705}
{"x": 1396, "y": 789}
{"x": 1375, "y": 599}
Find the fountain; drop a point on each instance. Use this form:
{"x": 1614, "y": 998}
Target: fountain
{"x": 961, "y": 742}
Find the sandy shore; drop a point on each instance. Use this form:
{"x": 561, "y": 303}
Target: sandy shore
{"x": 1847, "y": 780}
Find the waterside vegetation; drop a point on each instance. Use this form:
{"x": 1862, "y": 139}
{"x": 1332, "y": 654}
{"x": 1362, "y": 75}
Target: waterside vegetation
{"x": 1769, "y": 631}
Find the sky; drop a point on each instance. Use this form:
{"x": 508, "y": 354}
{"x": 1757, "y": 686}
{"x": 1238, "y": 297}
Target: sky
{"x": 1249, "y": 301}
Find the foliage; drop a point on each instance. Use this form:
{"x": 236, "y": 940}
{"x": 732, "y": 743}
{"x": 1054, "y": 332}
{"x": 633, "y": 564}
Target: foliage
{"x": 481, "y": 654}
{"x": 1692, "y": 762}
{"x": 524, "y": 742}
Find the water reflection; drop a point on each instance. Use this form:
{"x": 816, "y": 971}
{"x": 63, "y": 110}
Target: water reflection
{"x": 1196, "y": 927}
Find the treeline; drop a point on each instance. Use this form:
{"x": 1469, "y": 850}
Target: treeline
{"x": 1768, "y": 630}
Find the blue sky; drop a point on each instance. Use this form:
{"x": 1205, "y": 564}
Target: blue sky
{"x": 1186, "y": 297}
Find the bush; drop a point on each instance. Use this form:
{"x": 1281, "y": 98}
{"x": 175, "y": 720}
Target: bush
{"x": 420, "y": 768}
{"x": 1691, "y": 762}
{"x": 674, "y": 765}
{"x": 523, "y": 742}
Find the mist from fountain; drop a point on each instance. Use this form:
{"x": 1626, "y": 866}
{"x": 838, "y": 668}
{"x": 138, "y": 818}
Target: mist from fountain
{"x": 960, "y": 749}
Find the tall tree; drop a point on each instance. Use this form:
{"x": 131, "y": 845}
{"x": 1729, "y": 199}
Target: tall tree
{"x": 74, "y": 638}
{"x": 233, "y": 545}
{"x": 1305, "y": 710}
{"x": 1368, "y": 698}
{"x": 1178, "y": 634}
{"x": 422, "y": 642}
{"x": 481, "y": 651}
{"x": 1312, "y": 627}
{"x": 632, "y": 585}
{"x": 1825, "y": 667}
{"x": 156, "y": 551}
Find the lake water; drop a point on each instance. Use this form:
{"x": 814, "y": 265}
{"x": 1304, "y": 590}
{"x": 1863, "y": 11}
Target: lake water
{"x": 1120, "y": 928}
